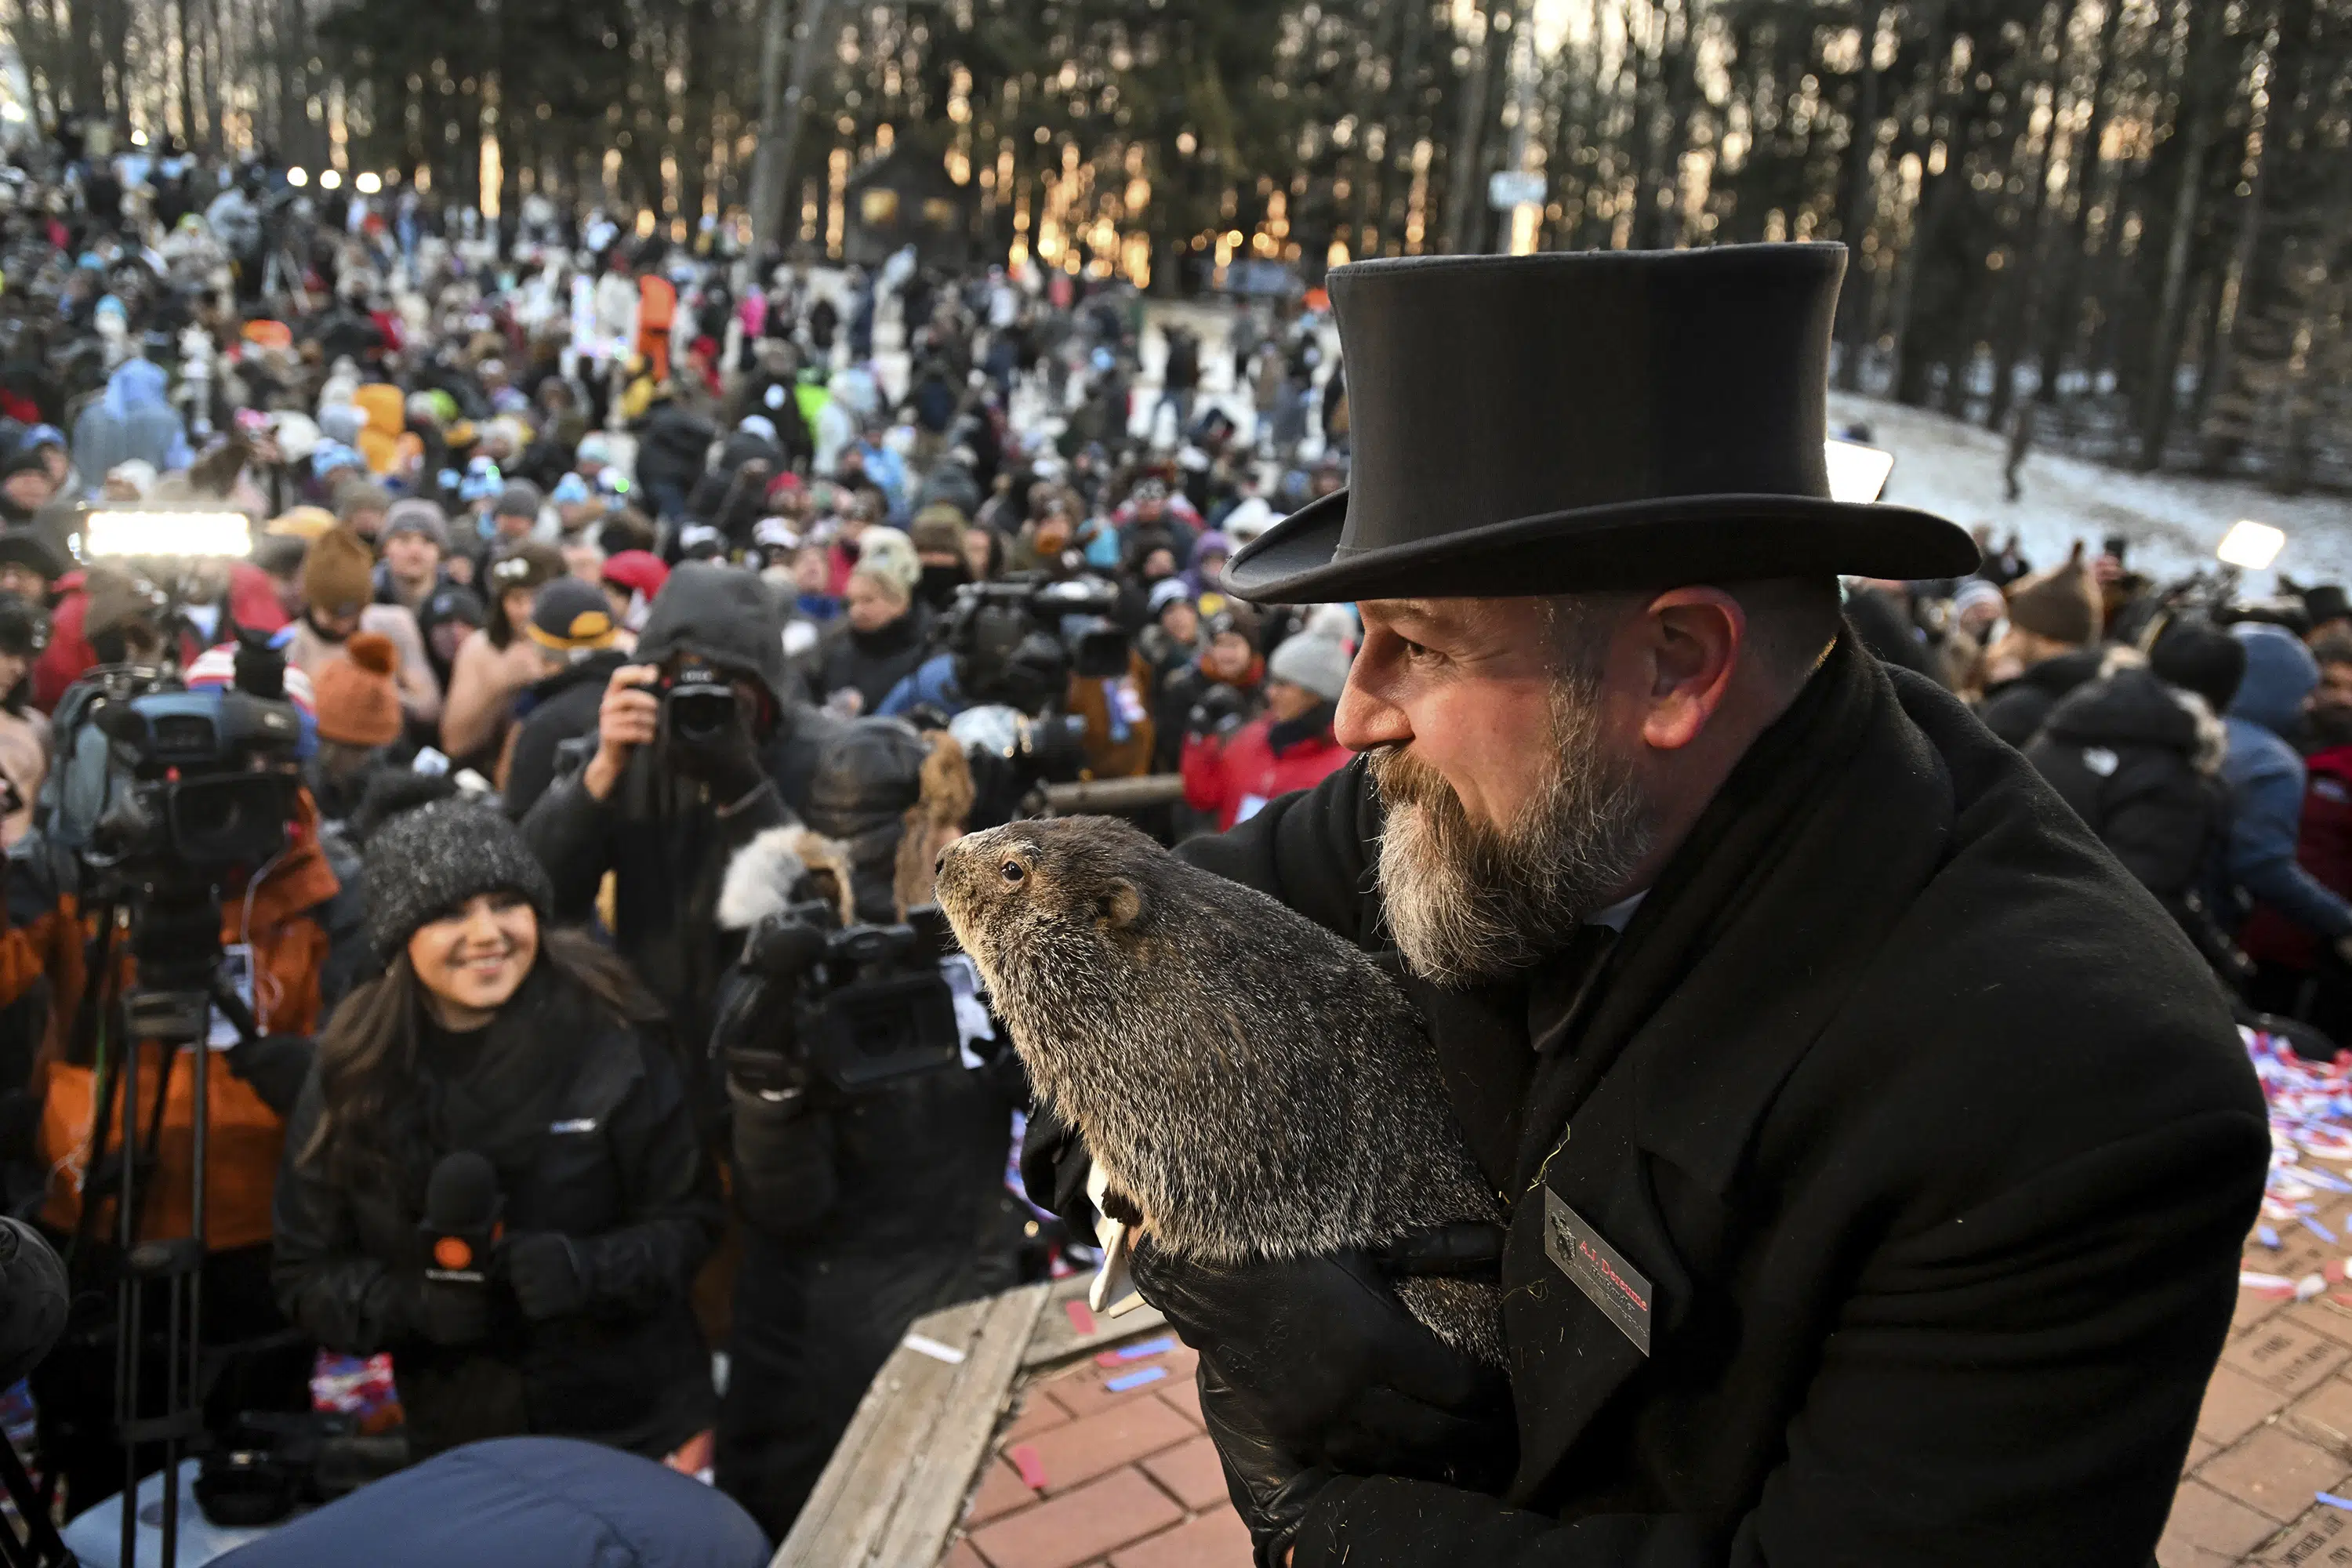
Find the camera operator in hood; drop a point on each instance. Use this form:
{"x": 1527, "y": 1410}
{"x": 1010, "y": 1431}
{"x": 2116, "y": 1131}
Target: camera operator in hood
{"x": 678, "y": 781}
{"x": 864, "y": 1206}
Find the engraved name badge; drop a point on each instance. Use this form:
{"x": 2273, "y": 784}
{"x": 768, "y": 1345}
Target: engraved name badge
{"x": 1598, "y": 1270}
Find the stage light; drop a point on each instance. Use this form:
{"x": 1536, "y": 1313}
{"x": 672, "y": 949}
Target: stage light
{"x": 2251, "y": 545}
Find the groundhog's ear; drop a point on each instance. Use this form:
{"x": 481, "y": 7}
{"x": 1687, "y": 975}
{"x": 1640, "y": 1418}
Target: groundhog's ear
{"x": 1119, "y": 905}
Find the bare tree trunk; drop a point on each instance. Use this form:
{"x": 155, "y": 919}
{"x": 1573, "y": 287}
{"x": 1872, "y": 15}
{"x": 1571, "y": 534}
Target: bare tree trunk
{"x": 2066, "y": 265}
{"x": 767, "y": 176}
{"x": 1462, "y": 160}
{"x": 813, "y": 40}
{"x": 2195, "y": 129}
{"x": 1861, "y": 207}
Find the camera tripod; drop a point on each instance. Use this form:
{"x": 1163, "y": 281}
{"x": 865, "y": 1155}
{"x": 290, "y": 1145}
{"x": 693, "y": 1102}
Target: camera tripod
{"x": 172, "y": 934}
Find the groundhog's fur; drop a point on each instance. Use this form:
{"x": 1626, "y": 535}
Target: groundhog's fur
{"x": 1253, "y": 1084}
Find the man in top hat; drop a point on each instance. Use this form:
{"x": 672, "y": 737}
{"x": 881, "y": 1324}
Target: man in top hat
{"x": 1874, "y": 1153}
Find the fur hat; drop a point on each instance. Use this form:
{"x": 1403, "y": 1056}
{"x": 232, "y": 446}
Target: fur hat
{"x": 359, "y": 703}
{"x": 2061, "y": 603}
{"x": 340, "y": 574}
{"x": 1315, "y": 664}
{"x": 427, "y": 862}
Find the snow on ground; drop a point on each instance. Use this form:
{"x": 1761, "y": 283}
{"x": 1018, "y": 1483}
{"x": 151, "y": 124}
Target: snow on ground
{"x": 1941, "y": 464}
{"x": 2172, "y": 520}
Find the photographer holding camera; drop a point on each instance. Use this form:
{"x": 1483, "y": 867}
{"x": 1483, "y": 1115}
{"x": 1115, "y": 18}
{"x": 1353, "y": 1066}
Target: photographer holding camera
{"x": 700, "y": 746}
{"x": 867, "y": 1139}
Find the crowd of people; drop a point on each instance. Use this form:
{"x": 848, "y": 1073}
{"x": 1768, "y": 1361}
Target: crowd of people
{"x": 508, "y": 517}
{"x": 626, "y": 592}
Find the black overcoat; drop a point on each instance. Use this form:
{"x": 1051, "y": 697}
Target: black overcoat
{"x": 1929, "y": 1139}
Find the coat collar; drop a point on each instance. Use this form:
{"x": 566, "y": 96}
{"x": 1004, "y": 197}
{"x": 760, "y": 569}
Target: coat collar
{"x": 1710, "y": 1059}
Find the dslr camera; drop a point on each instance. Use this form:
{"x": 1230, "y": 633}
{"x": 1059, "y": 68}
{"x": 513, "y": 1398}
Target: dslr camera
{"x": 698, "y": 705}
{"x": 833, "y": 1009}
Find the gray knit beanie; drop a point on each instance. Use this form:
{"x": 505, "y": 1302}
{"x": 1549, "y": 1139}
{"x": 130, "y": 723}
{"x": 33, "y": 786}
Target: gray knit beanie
{"x": 426, "y": 862}
{"x": 1312, "y": 661}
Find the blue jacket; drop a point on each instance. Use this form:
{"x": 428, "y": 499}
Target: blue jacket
{"x": 521, "y": 1502}
{"x": 932, "y": 682}
{"x": 2266, "y": 783}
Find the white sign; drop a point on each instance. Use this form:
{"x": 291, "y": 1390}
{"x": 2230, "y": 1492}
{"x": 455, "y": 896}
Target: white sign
{"x": 1508, "y": 188}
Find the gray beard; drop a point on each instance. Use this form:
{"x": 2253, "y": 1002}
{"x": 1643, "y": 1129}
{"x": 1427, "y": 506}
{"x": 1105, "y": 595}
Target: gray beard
{"x": 1468, "y": 901}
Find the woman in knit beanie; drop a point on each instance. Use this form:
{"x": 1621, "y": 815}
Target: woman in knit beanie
{"x": 551, "y": 1299}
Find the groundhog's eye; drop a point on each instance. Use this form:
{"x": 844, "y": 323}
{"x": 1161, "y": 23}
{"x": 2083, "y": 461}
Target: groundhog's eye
{"x": 1014, "y": 870}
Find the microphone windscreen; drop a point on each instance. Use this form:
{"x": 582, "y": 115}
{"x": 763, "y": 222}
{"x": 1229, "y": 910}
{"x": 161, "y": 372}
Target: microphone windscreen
{"x": 462, "y": 1195}
{"x": 32, "y": 1298}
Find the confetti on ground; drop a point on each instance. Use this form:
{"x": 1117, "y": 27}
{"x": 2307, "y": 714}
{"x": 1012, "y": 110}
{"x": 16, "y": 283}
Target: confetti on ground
{"x": 1126, "y": 1381}
{"x": 1141, "y": 1351}
{"x": 1033, "y": 1468}
{"x": 1081, "y": 1317}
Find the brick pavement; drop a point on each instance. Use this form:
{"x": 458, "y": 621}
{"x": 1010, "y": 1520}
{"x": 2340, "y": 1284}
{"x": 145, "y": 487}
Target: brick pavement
{"x": 1122, "y": 1478}
{"x": 2275, "y": 1429}
{"x": 1127, "y": 1479}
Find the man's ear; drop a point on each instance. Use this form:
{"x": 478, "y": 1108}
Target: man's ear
{"x": 1696, "y": 636}
{"x": 1119, "y": 905}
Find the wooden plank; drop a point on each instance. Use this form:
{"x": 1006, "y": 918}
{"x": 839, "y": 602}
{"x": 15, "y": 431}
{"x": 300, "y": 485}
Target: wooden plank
{"x": 941, "y": 1475}
{"x": 853, "y": 1499}
{"x": 1057, "y": 1339}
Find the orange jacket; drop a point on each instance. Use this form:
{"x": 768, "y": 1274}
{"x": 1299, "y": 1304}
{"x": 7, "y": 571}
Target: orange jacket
{"x": 657, "y": 309}
{"x": 289, "y": 949}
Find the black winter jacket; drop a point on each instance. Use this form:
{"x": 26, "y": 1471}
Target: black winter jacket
{"x": 871, "y": 663}
{"x": 562, "y": 707}
{"x": 663, "y": 840}
{"x": 2139, "y": 762}
{"x": 1931, "y": 1138}
{"x": 612, "y": 1162}
{"x": 2015, "y": 709}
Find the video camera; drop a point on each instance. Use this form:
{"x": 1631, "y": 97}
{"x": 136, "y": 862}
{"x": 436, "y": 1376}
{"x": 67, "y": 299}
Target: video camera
{"x": 1017, "y": 642}
{"x": 202, "y": 781}
{"x": 834, "y": 1010}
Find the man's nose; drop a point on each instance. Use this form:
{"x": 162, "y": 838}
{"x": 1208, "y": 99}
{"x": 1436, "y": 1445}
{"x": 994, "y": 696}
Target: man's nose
{"x": 1365, "y": 720}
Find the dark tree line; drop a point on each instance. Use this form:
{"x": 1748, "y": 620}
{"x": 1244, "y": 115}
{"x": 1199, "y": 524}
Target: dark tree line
{"x": 2115, "y": 226}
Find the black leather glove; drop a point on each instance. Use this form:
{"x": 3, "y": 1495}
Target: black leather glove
{"x": 1054, "y": 1168}
{"x": 1271, "y": 1488}
{"x": 542, "y": 1269}
{"x": 453, "y": 1312}
{"x": 1320, "y": 1356}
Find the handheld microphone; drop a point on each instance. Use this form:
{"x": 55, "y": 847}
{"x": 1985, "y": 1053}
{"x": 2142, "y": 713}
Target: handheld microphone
{"x": 464, "y": 1217}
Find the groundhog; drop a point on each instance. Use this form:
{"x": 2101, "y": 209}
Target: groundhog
{"x": 1249, "y": 1084}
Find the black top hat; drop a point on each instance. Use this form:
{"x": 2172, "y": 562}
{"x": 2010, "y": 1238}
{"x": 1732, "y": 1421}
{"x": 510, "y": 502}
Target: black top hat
{"x": 1569, "y": 420}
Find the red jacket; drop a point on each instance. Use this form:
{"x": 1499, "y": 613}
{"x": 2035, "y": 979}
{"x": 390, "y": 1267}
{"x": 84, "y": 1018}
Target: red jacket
{"x": 2324, "y": 850}
{"x": 1236, "y": 776}
{"x": 252, "y": 600}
